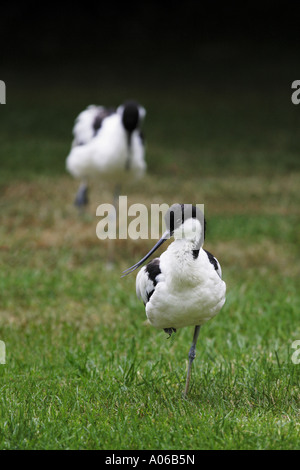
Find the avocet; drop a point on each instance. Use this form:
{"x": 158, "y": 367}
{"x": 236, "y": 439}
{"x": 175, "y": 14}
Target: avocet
{"x": 184, "y": 286}
{"x": 108, "y": 143}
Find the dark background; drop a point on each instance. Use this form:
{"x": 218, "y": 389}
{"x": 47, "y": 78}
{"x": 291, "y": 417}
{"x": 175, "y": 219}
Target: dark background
{"x": 215, "y": 76}
{"x": 144, "y": 32}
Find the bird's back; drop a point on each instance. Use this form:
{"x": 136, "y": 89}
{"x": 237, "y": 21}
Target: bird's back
{"x": 88, "y": 123}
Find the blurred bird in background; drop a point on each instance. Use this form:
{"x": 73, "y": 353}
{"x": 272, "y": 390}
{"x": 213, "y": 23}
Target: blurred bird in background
{"x": 108, "y": 143}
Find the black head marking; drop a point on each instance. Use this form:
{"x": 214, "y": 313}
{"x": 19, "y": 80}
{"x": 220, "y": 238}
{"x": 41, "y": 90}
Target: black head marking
{"x": 130, "y": 117}
{"x": 178, "y": 213}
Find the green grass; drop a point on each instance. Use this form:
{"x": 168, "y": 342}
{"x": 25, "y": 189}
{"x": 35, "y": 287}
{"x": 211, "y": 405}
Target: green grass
{"x": 83, "y": 370}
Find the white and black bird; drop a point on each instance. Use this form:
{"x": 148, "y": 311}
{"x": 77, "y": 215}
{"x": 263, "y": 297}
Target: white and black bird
{"x": 184, "y": 286}
{"x": 107, "y": 143}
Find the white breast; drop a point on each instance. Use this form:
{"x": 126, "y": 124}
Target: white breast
{"x": 192, "y": 292}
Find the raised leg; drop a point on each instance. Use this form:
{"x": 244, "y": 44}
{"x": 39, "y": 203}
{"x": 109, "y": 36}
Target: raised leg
{"x": 192, "y": 355}
{"x": 169, "y": 331}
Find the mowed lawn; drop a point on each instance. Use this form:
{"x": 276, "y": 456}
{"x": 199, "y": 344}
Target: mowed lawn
{"x": 83, "y": 369}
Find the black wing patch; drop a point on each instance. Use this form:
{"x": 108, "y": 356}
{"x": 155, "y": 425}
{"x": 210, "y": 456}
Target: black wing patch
{"x": 153, "y": 270}
{"x": 214, "y": 262}
{"x": 102, "y": 114}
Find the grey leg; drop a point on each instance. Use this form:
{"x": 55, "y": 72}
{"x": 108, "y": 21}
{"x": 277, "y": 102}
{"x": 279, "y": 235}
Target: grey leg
{"x": 192, "y": 355}
{"x": 81, "y": 199}
{"x": 117, "y": 193}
